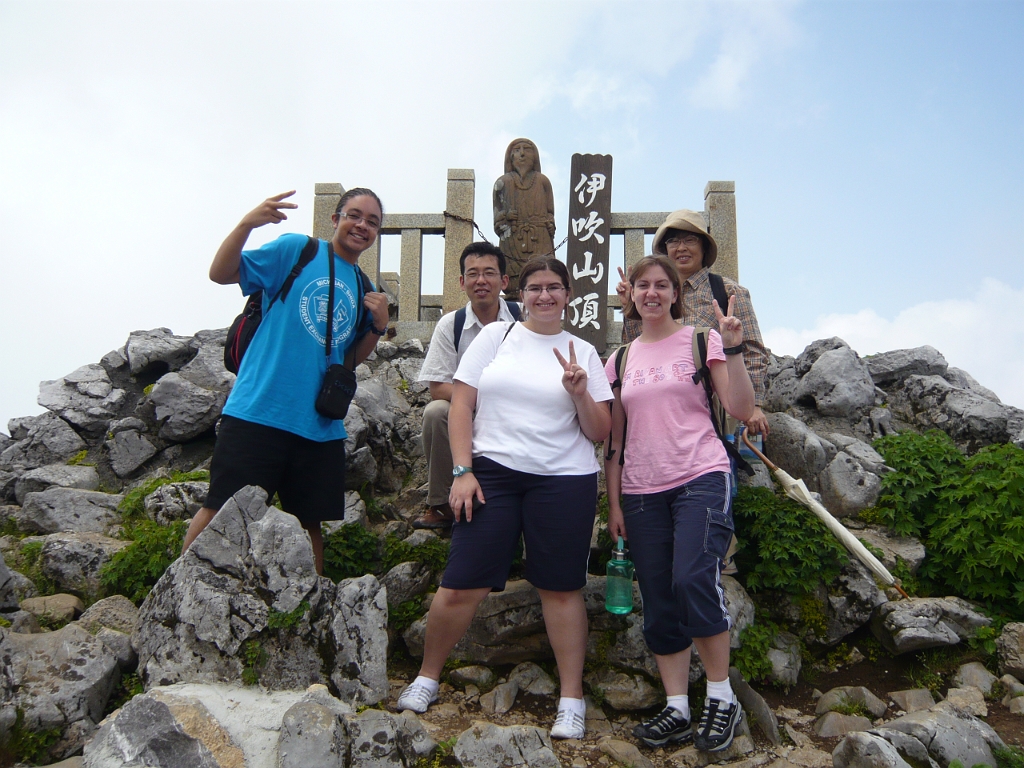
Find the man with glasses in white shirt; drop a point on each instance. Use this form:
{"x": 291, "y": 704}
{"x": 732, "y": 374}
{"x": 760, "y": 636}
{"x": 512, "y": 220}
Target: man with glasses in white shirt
{"x": 483, "y": 277}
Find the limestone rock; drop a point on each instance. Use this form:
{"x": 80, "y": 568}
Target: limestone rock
{"x": 797, "y": 449}
{"x": 966, "y": 699}
{"x": 908, "y": 549}
{"x": 116, "y": 612}
{"x": 889, "y": 367}
{"x": 380, "y": 739}
{"x": 85, "y": 398}
{"x": 838, "y": 383}
{"x": 184, "y": 409}
{"x": 754, "y": 707}
{"x": 962, "y": 379}
{"x": 176, "y": 501}
{"x": 129, "y": 450}
{"x": 72, "y": 561}
{"x": 622, "y": 691}
{"x": 200, "y": 725}
{"x": 69, "y": 509}
{"x": 1010, "y": 649}
{"x": 624, "y": 753}
{"x": 158, "y": 350}
{"x": 47, "y": 440}
{"x": 855, "y": 598}
{"x": 970, "y": 419}
{"x": 913, "y": 700}
{"x": 974, "y": 675}
{"x": 406, "y": 581}
{"x": 833, "y": 724}
{"x": 849, "y": 694}
{"x": 207, "y": 369}
{"x": 925, "y": 622}
{"x": 533, "y": 680}
{"x": 485, "y": 746}
{"x": 847, "y": 487}
{"x": 941, "y": 737}
{"x": 24, "y": 622}
{"x": 59, "y": 679}
{"x": 865, "y": 455}
{"x": 380, "y": 402}
{"x": 784, "y": 656}
{"x": 12, "y": 587}
{"x": 59, "y": 475}
{"x": 500, "y": 699}
{"x": 740, "y": 607}
{"x": 477, "y": 675}
{"x": 866, "y": 750}
{"x": 55, "y": 608}
{"x": 210, "y": 616}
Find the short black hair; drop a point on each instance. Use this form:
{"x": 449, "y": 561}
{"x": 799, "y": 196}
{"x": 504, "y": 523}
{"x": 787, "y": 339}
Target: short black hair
{"x": 356, "y": 192}
{"x": 481, "y": 248}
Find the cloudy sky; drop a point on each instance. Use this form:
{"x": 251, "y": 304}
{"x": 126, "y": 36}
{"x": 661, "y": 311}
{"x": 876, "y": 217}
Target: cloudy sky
{"x": 877, "y": 150}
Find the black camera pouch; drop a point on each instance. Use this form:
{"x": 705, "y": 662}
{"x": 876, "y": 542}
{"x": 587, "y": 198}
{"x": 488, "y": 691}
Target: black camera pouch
{"x": 336, "y": 392}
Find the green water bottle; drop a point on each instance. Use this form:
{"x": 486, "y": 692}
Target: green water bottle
{"x": 618, "y": 595}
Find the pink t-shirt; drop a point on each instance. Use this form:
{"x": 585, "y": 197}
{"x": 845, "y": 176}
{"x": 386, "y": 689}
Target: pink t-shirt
{"x": 670, "y": 439}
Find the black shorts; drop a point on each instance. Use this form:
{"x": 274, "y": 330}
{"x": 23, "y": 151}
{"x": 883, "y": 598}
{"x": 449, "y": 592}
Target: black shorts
{"x": 308, "y": 476}
{"x": 553, "y": 513}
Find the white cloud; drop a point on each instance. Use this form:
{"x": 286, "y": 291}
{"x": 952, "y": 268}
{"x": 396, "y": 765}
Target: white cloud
{"x": 983, "y": 334}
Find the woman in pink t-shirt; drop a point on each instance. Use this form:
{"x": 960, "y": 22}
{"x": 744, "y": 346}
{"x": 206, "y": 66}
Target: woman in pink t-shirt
{"x": 675, "y": 506}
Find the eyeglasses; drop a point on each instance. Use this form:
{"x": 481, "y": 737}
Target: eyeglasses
{"x": 355, "y": 218}
{"x": 690, "y": 240}
{"x": 537, "y": 290}
{"x": 489, "y": 274}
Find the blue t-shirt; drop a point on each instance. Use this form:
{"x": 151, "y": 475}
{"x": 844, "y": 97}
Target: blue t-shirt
{"x": 284, "y": 366}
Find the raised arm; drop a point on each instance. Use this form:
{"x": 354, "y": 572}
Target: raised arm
{"x": 731, "y": 381}
{"x": 224, "y": 269}
{"x": 594, "y": 418}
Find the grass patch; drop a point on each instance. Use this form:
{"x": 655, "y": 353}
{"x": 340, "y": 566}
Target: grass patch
{"x": 134, "y": 570}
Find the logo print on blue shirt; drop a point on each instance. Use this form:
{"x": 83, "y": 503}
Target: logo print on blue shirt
{"x": 313, "y": 310}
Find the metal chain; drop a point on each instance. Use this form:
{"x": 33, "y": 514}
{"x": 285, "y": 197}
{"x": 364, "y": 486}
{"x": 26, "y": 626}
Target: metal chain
{"x": 450, "y": 215}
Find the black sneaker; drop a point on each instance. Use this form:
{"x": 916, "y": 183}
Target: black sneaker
{"x": 717, "y": 725}
{"x": 668, "y": 726}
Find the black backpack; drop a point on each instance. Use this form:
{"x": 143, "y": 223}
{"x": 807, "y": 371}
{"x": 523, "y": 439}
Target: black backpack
{"x": 243, "y": 329}
{"x": 460, "y": 320}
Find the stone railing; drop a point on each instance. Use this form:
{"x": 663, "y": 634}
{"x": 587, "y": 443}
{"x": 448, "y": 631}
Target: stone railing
{"x": 417, "y": 312}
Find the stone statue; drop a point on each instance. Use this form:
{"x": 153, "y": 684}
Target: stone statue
{"x": 524, "y": 210}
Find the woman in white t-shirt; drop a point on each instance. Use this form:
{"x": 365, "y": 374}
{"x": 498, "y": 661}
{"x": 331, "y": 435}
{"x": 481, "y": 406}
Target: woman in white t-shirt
{"x": 529, "y": 399}
{"x": 675, "y": 506}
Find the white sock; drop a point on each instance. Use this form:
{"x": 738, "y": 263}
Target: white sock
{"x": 721, "y": 691}
{"x": 426, "y": 682}
{"x": 573, "y": 705}
{"x": 682, "y": 703}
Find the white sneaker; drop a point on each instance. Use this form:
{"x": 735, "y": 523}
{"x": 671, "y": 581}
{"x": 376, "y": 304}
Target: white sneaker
{"x": 416, "y": 697}
{"x": 568, "y": 725}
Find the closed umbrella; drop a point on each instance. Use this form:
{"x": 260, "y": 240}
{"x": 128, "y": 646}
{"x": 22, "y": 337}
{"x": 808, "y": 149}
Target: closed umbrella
{"x": 797, "y": 491}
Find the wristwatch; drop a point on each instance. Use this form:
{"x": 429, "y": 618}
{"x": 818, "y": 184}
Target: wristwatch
{"x": 739, "y": 349}
{"x": 460, "y": 470}
{"x": 377, "y": 331}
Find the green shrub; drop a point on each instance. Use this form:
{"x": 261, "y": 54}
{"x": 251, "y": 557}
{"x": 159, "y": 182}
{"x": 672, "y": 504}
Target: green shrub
{"x": 27, "y": 562}
{"x": 402, "y": 615}
{"x": 751, "y": 658}
{"x": 134, "y": 570}
{"x": 349, "y": 552}
{"x": 968, "y": 512}
{"x": 922, "y": 463}
{"x": 26, "y": 746}
{"x": 784, "y": 545}
{"x": 433, "y": 553}
{"x": 290, "y": 620}
{"x": 1009, "y": 757}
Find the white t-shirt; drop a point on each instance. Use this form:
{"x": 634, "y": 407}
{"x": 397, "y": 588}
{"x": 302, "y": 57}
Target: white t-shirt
{"x": 525, "y": 420}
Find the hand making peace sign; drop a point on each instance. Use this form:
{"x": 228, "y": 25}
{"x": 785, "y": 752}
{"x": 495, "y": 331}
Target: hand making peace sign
{"x": 729, "y": 327}
{"x": 575, "y": 378}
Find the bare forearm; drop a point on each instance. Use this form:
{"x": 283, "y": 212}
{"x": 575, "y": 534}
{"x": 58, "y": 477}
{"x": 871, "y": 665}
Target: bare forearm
{"x": 595, "y": 418}
{"x": 365, "y": 346}
{"x": 734, "y": 387}
{"x": 460, "y": 424}
{"x": 225, "y": 267}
